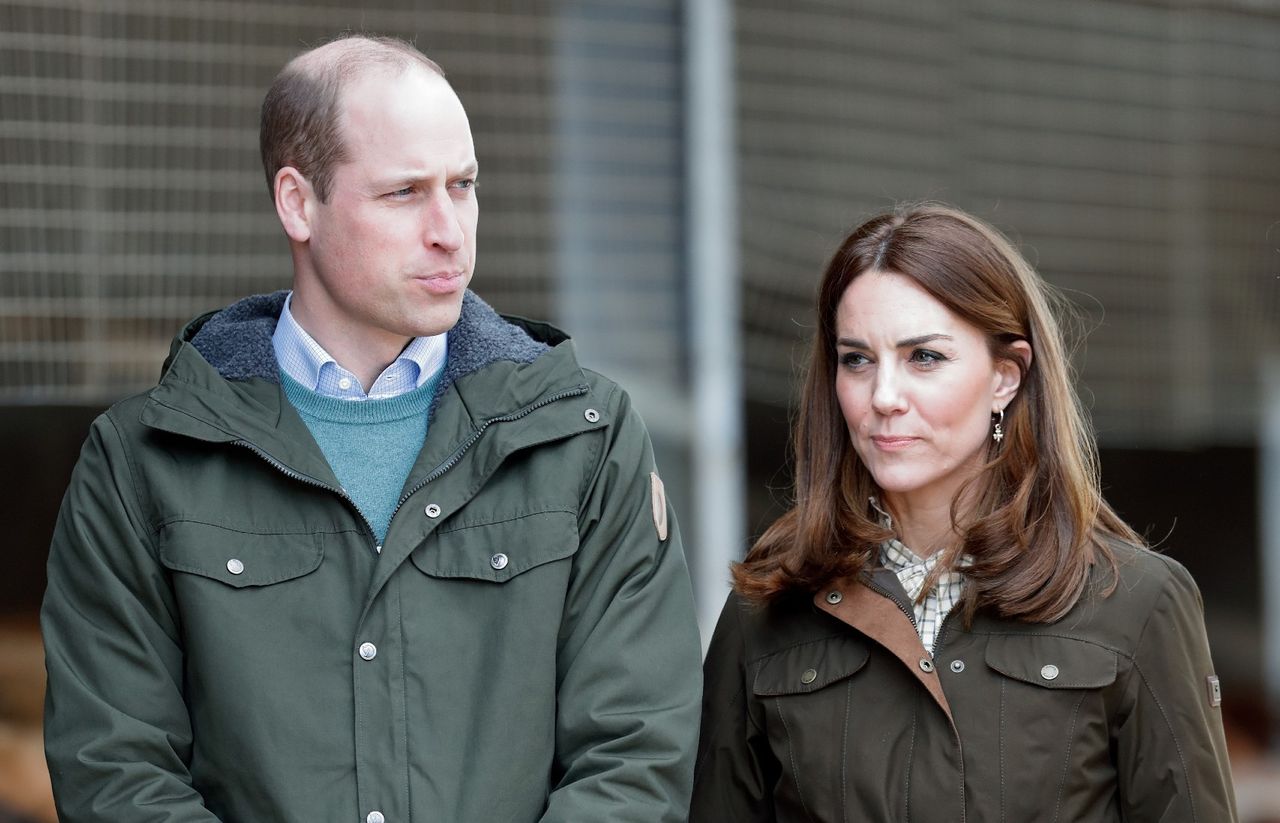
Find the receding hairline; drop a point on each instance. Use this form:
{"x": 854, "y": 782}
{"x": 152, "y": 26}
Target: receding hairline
{"x": 355, "y": 56}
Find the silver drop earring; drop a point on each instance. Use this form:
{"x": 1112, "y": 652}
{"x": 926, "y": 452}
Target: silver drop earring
{"x": 997, "y": 434}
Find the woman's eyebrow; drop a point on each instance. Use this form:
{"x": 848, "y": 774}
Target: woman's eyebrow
{"x": 853, "y": 343}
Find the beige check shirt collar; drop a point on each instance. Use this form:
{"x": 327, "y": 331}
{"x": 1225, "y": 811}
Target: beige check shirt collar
{"x": 911, "y": 572}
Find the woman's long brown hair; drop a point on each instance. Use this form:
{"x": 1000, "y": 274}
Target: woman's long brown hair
{"x": 1037, "y": 520}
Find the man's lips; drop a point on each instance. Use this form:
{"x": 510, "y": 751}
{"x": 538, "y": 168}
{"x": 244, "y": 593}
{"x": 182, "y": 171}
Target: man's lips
{"x": 445, "y": 282}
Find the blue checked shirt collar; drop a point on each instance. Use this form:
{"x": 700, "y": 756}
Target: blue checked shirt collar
{"x": 306, "y": 361}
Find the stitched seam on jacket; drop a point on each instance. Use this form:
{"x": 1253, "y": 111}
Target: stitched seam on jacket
{"x": 911, "y": 760}
{"x": 1165, "y": 594}
{"x": 476, "y": 524}
{"x": 1090, "y": 641}
{"x": 759, "y": 658}
{"x": 143, "y": 511}
{"x": 1003, "y": 685}
{"x": 844, "y": 755}
{"x": 791, "y": 753}
{"x": 1182, "y": 760}
{"x": 1066, "y": 760}
{"x": 308, "y": 533}
{"x": 596, "y": 450}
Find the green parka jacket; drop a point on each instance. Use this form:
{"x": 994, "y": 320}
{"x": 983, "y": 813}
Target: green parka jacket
{"x": 225, "y": 643}
{"x": 830, "y": 710}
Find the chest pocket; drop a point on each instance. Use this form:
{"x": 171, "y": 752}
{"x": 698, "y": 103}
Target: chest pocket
{"x": 1051, "y": 710}
{"x": 807, "y": 692}
{"x": 809, "y": 667}
{"x": 1052, "y": 662}
{"x": 496, "y": 550}
{"x": 238, "y": 559}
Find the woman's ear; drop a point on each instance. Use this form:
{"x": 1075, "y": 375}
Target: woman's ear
{"x": 294, "y": 199}
{"x": 1009, "y": 373}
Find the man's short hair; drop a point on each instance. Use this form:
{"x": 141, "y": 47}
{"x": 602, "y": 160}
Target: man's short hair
{"x": 301, "y": 113}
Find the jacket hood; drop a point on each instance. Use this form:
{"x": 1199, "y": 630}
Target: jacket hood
{"x": 237, "y": 340}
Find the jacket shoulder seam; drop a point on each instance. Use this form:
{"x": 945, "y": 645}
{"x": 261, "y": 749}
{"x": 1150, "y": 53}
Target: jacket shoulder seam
{"x": 143, "y": 510}
{"x": 1177, "y": 744}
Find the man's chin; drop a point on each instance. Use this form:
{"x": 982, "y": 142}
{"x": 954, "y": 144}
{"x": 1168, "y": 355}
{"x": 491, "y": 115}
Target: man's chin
{"x": 440, "y": 318}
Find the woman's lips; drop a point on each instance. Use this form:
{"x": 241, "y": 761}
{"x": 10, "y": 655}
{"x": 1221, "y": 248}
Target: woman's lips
{"x": 889, "y": 444}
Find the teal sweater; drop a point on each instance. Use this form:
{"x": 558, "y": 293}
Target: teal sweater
{"x": 371, "y": 445}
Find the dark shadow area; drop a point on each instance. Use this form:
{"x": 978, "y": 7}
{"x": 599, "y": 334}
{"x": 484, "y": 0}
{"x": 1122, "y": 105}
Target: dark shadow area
{"x": 42, "y": 444}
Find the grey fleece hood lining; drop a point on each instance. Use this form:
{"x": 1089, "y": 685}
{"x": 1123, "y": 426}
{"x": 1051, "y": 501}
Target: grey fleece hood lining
{"x": 237, "y": 340}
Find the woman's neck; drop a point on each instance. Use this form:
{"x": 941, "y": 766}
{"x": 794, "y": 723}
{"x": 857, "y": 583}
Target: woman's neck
{"x": 922, "y": 522}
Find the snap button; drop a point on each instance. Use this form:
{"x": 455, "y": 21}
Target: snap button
{"x": 368, "y": 651}
{"x": 834, "y": 597}
{"x": 433, "y": 511}
{"x": 592, "y": 415}
{"x": 809, "y": 676}
{"x": 235, "y": 566}
{"x": 375, "y": 817}
{"x": 926, "y": 665}
{"x": 1049, "y": 672}
{"x": 498, "y": 561}
{"x": 957, "y": 666}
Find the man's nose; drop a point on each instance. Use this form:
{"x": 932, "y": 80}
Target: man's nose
{"x": 443, "y": 228}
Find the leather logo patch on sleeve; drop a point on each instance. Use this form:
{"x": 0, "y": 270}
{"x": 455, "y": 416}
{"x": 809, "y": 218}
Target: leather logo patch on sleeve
{"x": 658, "y": 497}
{"x": 1215, "y": 690}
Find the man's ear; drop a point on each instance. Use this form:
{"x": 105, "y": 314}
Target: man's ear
{"x": 295, "y": 203}
{"x": 1009, "y": 374}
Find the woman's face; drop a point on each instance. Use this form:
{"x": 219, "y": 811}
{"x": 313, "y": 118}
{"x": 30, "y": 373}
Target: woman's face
{"x": 917, "y": 386}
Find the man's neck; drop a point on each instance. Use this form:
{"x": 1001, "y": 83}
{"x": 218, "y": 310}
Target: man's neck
{"x": 363, "y": 352}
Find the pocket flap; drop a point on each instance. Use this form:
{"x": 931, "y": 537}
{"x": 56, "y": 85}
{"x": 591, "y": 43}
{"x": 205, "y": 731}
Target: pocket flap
{"x": 809, "y": 666}
{"x": 237, "y": 558}
{"x": 1052, "y": 662}
{"x": 498, "y": 550}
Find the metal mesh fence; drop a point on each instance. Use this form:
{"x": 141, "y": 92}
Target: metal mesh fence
{"x": 1132, "y": 150}
{"x": 131, "y": 196}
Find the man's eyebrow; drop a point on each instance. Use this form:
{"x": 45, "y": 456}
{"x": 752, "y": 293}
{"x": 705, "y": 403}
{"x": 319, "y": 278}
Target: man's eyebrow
{"x": 853, "y": 343}
{"x": 414, "y": 176}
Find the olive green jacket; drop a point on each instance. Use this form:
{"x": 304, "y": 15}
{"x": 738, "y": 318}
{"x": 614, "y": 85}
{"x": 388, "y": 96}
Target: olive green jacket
{"x": 829, "y": 710}
{"x": 225, "y": 641}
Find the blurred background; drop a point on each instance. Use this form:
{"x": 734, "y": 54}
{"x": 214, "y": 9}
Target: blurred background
{"x": 665, "y": 180}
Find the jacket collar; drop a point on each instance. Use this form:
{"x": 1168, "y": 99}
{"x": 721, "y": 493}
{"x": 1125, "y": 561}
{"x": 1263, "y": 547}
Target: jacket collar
{"x": 221, "y": 381}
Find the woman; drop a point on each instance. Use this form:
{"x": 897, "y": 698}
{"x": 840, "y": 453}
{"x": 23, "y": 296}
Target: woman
{"x": 951, "y": 624}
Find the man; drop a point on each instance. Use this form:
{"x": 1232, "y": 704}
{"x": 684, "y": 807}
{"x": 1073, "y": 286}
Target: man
{"x": 369, "y": 551}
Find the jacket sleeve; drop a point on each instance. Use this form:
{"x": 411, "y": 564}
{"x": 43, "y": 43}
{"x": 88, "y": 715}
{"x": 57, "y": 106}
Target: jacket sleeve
{"x": 1170, "y": 748}
{"x": 735, "y": 768}
{"x": 117, "y": 733}
{"x": 628, "y": 672}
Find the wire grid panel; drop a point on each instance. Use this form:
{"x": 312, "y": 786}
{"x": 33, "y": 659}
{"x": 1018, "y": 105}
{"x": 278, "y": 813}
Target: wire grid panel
{"x": 1132, "y": 150}
{"x": 131, "y": 192}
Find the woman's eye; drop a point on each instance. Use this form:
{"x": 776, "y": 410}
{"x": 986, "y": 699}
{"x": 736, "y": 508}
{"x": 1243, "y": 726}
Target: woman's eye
{"x": 926, "y": 357}
{"x": 853, "y": 360}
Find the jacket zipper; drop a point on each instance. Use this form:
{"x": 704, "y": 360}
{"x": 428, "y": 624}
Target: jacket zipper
{"x": 310, "y": 481}
{"x": 435, "y": 474}
{"x": 871, "y": 584}
{"x": 458, "y": 453}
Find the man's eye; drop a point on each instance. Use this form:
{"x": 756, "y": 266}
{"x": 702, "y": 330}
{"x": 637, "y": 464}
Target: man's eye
{"x": 405, "y": 192}
{"x": 466, "y": 184}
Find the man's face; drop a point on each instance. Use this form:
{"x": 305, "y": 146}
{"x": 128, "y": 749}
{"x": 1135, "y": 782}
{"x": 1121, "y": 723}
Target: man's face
{"x": 392, "y": 251}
